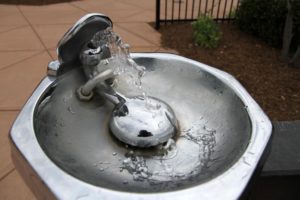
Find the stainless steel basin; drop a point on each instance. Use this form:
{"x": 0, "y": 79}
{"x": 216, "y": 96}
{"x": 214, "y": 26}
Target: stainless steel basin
{"x": 67, "y": 142}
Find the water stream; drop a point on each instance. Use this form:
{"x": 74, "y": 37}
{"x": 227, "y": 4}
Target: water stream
{"x": 128, "y": 73}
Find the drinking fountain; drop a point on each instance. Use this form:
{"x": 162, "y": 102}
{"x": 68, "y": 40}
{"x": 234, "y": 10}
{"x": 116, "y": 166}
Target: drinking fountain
{"x": 109, "y": 124}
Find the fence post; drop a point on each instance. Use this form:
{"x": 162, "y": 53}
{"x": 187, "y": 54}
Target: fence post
{"x": 157, "y": 20}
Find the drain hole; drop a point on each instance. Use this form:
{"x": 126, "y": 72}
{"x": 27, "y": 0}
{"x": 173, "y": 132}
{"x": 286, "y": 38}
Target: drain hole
{"x": 144, "y": 133}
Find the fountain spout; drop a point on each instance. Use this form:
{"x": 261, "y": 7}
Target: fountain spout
{"x": 71, "y": 44}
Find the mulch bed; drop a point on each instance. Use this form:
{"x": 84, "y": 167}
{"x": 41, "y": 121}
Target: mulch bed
{"x": 272, "y": 83}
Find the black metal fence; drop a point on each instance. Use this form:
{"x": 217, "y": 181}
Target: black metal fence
{"x": 169, "y": 11}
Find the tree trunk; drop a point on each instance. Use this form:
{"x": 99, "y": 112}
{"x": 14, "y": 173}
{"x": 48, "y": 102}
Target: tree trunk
{"x": 295, "y": 62}
{"x": 288, "y": 32}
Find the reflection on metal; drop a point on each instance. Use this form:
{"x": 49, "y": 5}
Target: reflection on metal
{"x": 146, "y": 123}
{"x": 53, "y": 67}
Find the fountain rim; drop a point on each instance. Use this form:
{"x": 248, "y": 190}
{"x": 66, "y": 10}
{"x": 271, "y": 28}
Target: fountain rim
{"x": 231, "y": 182}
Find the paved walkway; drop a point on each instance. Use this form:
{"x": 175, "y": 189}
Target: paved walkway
{"x": 28, "y": 38}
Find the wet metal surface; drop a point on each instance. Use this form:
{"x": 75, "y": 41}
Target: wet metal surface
{"x": 147, "y": 122}
{"x": 231, "y": 164}
{"x": 215, "y": 130}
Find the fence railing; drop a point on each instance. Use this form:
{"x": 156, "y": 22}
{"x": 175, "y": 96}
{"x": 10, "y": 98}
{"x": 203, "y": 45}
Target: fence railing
{"x": 169, "y": 11}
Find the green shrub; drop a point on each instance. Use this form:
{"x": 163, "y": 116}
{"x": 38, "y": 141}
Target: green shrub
{"x": 206, "y": 32}
{"x": 265, "y": 19}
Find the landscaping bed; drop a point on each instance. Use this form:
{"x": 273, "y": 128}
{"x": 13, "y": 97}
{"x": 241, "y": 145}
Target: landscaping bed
{"x": 272, "y": 83}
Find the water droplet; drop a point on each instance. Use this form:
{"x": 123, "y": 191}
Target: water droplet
{"x": 126, "y": 161}
{"x": 101, "y": 169}
{"x": 71, "y": 110}
{"x": 106, "y": 61}
{"x": 144, "y": 175}
{"x": 160, "y": 124}
{"x": 114, "y": 153}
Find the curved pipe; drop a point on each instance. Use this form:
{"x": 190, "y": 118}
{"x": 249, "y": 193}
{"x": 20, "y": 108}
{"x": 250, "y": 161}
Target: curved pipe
{"x": 89, "y": 86}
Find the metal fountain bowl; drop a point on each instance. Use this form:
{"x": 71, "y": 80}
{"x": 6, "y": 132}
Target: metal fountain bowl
{"x": 64, "y": 149}
{"x": 64, "y": 146}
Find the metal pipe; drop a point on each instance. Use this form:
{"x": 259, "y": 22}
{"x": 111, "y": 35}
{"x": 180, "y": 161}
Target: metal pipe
{"x": 212, "y": 8}
{"x": 218, "y": 12}
{"x": 230, "y": 10}
{"x": 166, "y": 11}
{"x": 193, "y": 4}
{"x": 206, "y": 7}
{"x": 172, "y": 10}
{"x": 225, "y": 6}
{"x": 186, "y": 6}
{"x": 199, "y": 8}
{"x": 179, "y": 9}
{"x": 157, "y": 21}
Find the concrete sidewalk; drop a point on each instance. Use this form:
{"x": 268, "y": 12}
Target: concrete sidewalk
{"x": 28, "y": 38}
